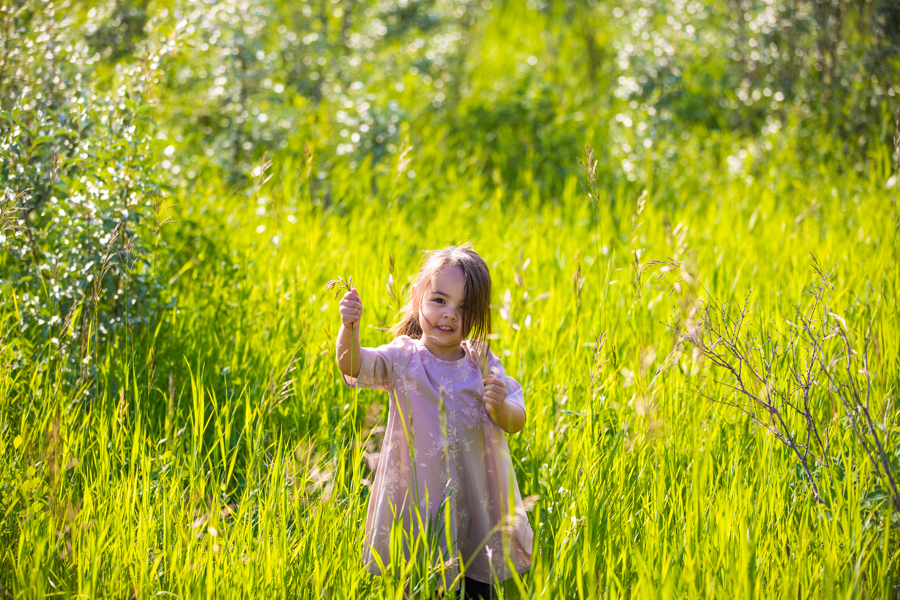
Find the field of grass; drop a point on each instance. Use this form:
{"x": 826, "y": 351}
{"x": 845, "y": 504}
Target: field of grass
{"x": 172, "y": 419}
{"x": 222, "y": 457}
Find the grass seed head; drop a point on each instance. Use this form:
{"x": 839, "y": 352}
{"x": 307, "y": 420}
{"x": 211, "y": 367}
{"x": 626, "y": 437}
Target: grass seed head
{"x": 339, "y": 284}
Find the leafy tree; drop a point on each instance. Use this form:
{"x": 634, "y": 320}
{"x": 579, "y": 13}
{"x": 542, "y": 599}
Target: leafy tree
{"x": 82, "y": 197}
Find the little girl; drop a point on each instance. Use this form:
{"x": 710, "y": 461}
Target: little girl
{"x": 444, "y": 442}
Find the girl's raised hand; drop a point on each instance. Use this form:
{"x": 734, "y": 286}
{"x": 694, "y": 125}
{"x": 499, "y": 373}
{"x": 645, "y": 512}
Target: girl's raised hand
{"x": 351, "y": 308}
{"x": 494, "y": 395}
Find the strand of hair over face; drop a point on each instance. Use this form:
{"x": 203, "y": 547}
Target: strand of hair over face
{"x": 476, "y": 318}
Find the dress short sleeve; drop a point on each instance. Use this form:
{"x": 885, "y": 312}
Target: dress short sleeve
{"x": 376, "y": 366}
{"x": 514, "y": 392}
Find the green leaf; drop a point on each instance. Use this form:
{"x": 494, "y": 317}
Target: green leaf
{"x": 875, "y": 499}
{"x": 42, "y": 139}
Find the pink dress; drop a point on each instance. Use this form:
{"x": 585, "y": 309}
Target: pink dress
{"x": 459, "y": 474}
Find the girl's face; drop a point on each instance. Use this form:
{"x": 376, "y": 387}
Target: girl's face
{"x": 440, "y": 314}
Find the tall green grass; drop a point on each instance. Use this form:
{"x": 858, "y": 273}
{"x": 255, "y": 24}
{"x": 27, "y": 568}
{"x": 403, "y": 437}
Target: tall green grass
{"x": 221, "y": 456}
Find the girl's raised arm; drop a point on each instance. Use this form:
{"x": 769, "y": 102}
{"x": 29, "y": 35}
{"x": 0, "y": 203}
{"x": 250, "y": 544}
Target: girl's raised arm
{"x": 349, "y": 353}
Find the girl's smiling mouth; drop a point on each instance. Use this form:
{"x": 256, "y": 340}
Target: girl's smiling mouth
{"x": 444, "y": 328}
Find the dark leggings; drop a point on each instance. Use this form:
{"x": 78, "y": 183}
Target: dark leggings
{"x": 476, "y": 589}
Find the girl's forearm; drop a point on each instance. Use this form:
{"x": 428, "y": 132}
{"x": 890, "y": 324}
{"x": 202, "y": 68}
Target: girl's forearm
{"x": 349, "y": 352}
{"x": 511, "y": 418}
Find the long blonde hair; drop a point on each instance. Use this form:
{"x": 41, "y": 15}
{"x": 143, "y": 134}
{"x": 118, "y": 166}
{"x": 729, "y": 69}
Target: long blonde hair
{"x": 476, "y": 318}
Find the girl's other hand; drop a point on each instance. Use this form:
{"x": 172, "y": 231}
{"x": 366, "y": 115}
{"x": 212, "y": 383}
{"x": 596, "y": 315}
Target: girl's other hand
{"x": 351, "y": 308}
{"x": 494, "y": 395}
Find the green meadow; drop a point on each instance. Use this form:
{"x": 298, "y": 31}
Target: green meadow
{"x": 701, "y": 307}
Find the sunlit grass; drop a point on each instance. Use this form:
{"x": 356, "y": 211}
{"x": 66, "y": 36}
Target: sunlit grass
{"x": 233, "y": 462}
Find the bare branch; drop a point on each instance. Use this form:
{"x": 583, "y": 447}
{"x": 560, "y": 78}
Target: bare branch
{"x": 776, "y": 373}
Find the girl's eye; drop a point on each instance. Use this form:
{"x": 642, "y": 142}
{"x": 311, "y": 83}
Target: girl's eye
{"x": 438, "y": 299}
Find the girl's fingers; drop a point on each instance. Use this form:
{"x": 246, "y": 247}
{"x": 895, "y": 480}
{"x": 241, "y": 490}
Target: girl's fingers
{"x": 351, "y": 298}
{"x": 350, "y": 315}
{"x": 494, "y": 397}
{"x": 498, "y": 387}
{"x": 351, "y": 308}
{"x": 494, "y": 392}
